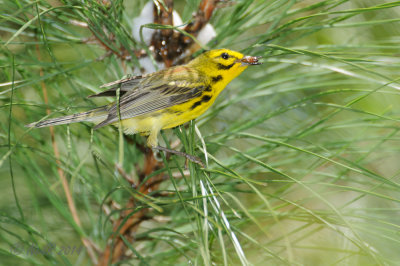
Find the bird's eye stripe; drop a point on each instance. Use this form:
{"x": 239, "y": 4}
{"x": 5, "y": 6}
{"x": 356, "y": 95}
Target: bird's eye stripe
{"x": 224, "y": 67}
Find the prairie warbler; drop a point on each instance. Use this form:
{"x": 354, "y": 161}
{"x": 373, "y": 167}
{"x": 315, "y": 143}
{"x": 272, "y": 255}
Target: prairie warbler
{"x": 166, "y": 98}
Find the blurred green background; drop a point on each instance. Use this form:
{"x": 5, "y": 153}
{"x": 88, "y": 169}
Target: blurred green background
{"x": 303, "y": 150}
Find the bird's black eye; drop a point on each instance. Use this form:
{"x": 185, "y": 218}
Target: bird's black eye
{"x": 224, "y": 55}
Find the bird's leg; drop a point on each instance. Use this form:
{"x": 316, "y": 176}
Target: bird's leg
{"x": 152, "y": 142}
{"x": 183, "y": 154}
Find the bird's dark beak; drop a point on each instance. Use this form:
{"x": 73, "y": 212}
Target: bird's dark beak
{"x": 249, "y": 60}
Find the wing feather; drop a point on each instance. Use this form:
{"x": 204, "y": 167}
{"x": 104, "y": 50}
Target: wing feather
{"x": 156, "y": 92}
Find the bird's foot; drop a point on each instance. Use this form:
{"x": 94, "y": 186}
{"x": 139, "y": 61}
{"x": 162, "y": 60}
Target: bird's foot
{"x": 191, "y": 158}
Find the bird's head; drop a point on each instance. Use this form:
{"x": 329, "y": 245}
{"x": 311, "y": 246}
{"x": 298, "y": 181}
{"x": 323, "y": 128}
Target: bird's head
{"x": 223, "y": 62}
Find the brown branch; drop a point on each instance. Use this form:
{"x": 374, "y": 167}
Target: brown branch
{"x": 164, "y": 41}
{"x": 168, "y": 44}
{"x": 116, "y": 247}
{"x": 202, "y": 16}
{"x": 127, "y": 227}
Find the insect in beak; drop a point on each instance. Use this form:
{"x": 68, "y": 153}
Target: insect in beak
{"x": 249, "y": 60}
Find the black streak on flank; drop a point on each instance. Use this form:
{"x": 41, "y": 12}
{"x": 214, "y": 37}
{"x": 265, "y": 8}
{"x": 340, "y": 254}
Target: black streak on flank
{"x": 216, "y": 79}
{"x": 195, "y": 105}
{"x": 224, "y": 67}
{"x": 208, "y": 88}
{"x": 204, "y": 99}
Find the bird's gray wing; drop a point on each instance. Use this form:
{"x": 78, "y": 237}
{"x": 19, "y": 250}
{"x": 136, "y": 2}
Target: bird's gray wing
{"x": 157, "y": 92}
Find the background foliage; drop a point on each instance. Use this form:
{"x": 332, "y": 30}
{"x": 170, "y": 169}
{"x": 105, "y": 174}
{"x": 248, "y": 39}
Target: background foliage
{"x": 303, "y": 151}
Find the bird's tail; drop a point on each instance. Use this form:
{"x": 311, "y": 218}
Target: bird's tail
{"x": 95, "y": 115}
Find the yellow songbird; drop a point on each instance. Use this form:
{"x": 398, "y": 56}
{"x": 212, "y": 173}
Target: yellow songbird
{"x": 166, "y": 98}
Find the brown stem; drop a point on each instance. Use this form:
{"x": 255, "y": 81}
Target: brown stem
{"x": 116, "y": 247}
{"x": 168, "y": 44}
